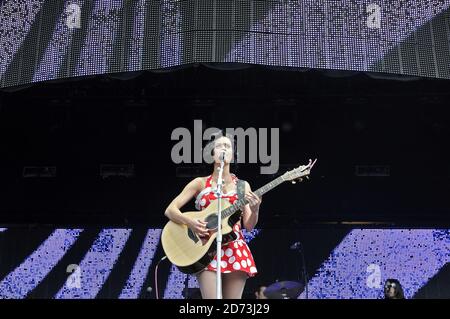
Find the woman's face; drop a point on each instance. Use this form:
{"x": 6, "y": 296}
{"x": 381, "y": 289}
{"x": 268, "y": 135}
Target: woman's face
{"x": 391, "y": 289}
{"x": 223, "y": 145}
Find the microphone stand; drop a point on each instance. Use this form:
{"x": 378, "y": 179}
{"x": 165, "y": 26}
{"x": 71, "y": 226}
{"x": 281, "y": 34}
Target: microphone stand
{"x": 219, "y": 229}
{"x": 305, "y": 276}
{"x": 298, "y": 246}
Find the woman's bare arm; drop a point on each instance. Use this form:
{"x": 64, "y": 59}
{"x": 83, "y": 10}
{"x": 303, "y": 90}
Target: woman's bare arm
{"x": 173, "y": 210}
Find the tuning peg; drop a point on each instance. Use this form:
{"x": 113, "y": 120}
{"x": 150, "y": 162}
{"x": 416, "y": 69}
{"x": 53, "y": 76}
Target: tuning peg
{"x": 293, "y": 181}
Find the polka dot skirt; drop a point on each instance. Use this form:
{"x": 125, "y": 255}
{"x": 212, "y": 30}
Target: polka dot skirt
{"x": 235, "y": 256}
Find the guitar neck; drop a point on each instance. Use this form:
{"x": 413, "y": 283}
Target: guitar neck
{"x": 242, "y": 202}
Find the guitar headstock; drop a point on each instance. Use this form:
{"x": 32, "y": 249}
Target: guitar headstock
{"x": 299, "y": 173}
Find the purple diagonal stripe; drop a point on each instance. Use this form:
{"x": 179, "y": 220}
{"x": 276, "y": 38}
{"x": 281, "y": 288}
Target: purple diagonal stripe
{"x": 411, "y": 256}
{"x": 304, "y": 32}
{"x": 97, "y": 264}
{"x": 175, "y": 284}
{"x": 170, "y": 47}
{"x": 142, "y": 265}
{"x": 137, "y": 43}
{"x": 97, "y": 51}
{"x": 57, "y": 48}
{"x": 35, "y": 268}
{"x": 16, "y": 19}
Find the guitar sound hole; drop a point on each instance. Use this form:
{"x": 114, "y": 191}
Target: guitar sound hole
{"x": 211, "y": 221}
{"x": 192, "y": 235}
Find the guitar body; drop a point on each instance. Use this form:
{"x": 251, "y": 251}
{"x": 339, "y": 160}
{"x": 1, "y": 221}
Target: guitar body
{"x": 186, "y": 250}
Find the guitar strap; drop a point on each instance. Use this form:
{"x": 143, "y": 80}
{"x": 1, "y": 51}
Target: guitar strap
{"x": 241, "y": 189}
{"x": 241, "y": 193}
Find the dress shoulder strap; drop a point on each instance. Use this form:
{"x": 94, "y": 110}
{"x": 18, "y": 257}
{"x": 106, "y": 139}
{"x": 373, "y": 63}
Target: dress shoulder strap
{"x": 208, "y": 181}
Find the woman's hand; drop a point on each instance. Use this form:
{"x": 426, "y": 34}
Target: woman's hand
{"x": 199, "y": 227}
{"x": 253, "y": 201}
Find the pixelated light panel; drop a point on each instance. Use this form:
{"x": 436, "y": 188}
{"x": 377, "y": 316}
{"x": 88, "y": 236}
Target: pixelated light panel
{"x": 89, "y": 274}
{"x": 356, "y": 268}
{"x": 43, "y": 39}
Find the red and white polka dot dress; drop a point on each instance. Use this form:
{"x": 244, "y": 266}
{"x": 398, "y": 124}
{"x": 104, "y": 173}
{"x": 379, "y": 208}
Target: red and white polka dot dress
{"x": 235, "y": 255}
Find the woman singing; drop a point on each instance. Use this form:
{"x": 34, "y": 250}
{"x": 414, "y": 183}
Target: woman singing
{"x": 237, "y": 262}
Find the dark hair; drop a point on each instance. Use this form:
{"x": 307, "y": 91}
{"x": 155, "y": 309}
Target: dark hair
{"x": 399, "y": 294}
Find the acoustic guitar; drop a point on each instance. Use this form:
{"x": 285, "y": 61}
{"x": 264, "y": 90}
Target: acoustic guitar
{"x": 191, "y": 253}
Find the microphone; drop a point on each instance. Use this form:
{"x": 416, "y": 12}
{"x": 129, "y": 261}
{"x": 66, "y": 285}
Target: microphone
{"x": 222, "y": 156}
{"x": 296, "y": 245}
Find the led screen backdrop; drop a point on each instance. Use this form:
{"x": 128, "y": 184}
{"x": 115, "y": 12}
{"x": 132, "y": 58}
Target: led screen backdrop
{"x": 120, "y": 263}
{"x": 51, "y": 39}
